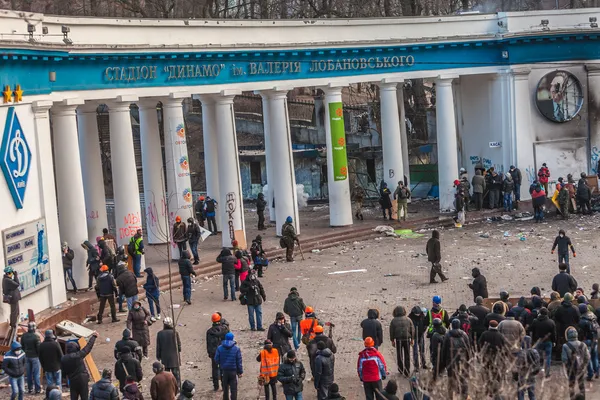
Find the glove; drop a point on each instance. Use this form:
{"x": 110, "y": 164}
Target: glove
{"x": 574, "y": 255}
{"x": 552, "y": 252}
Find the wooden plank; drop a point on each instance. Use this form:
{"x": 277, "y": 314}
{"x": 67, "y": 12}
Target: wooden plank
{"x": 89, "y": 362}
{"x": 74, "y": 329}
{"x": 241, "y": 239}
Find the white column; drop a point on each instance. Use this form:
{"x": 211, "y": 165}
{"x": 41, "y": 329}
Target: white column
{"x": 500, "y": 110}
{"x": 124, "y": 171}
{"x": 231, "y": 205}
{"x": 391, "y": 138}
{"x": 91, "y": 167}
{"x": 282, "y": 178}
{"x": 446, "y": 142}
{"x": 594, "y": 113}
{"x": 211, "y": 156}
{"x": 153, "y": 173}
{"x": 48, "y": 192}
{"x": 522, "y": 134}
{"x": 403, "y": 132}
{"x": 340, "y": 207}
{"x": 69, "y": 184}
{"x": 269, "y": 161}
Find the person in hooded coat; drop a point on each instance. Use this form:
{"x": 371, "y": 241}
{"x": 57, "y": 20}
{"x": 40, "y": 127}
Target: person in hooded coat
{"x": 538, "y": 200}
{"x": 279, "y": 334}
{"x": 334, "y": 393}
{"x": 324, "y": 371}
{"x": 543, "y": 332}
{"x": 92, "y": 263}
{"x": 371, "y": 327}
{"x": 73, "y": 368}
{"x": 127, "y": 284}
{"x": 168, "y": 347}
{"x": 241, "y": 269}
{"x": 138, "y": 321}
{"x": 479, "y": 284}
{"x": 152, "y": 287}
{"x": 584, "y": 195}
{"x": 497, "y": 314}
{"x": 291, "y": 374}
{"x": 31, "y": 346}
{"x": 436, "y": 339}
{"x": 479, "y": 311}
{"x": 127, "y": 341}
{"x": 214, "y": 336}
{"x": 180, "y": 234}
{"x": 11, "y": 292}
{"x": 508, "y": 187}
{"x": 312, "y": 346}
{"x": 127, "y": 366}
{"x": 14, "y": 366}
{"x": 288, "y": 238}
{"x": 565, "y": 316}
{"x": 186, "y": 270}
{"x": 187, "y": 390}
{"x": 228, "y": 271}
{"x": 104, "y": 389}
{"x": 434, "y": 256}
{"x": 193, "y": 234}
{"x": 131, "y": 390}
{"x": 229, "y": 359}
{"x": 563, "y": 282}
{"x": 385, "y": 200}
{"x": 563, "y": 242}
{"x": 417, "y": 316}
{"x": 402, "y": 335}
{"x": 572, "y": 350}
{"x": 164, "y": 385}
{"x": 294, "y": 307}
{"x": 50, "y": 356}
{"x": 106, "y": 288}
{"x": 261, "y": 204}
{"x": 478, "y": 185}
{"x": 455, "y": 356}
{"x": 254, "y": 295}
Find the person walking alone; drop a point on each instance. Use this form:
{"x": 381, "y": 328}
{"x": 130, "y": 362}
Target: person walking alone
{"x": 228, "y": 271}
{"x": 563, "y": 242}
{"x": 294, "y": 307}
{"x": 254, "y": 295}
{"x": 31, "y": 346}
{"x": 288, "y": 233}
{"x": 434, "y": 255}
{"x": 152, "y": 287}
{"x": 261, "y": 204}
{"x": 67, "y": 261}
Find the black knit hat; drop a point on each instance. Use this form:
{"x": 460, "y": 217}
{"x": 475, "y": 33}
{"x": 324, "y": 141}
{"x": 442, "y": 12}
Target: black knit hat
{"x": 334, "y": 388}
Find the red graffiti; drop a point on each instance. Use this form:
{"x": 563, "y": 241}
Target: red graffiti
{"x": 128, "y": 231}
{"x": 132, "y": 219}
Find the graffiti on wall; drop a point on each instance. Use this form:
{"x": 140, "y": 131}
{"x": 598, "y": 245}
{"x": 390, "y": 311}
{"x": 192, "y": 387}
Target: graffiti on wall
{"x": 594, "y": 160}
{"x": 531, "y": 175}
{"x": 131, "y": 223}
{"x": 230, "y": 207}
{"x": 475, "y": 160}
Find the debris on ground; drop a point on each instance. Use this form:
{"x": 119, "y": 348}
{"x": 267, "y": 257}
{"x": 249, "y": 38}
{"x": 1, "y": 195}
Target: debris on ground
{"x": 383, "y": 229}
{"x": 407, "y": 234}
{"x": 346, "y": 272}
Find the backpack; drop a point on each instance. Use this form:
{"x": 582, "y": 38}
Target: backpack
{"x": 432, "y": 316}
{"x": 575, "y": 363}
{"x": 534, "y": 361}
{"x": 306, "y": 337}
{"x": 403, "y": 194}
{"x": 254, "y": 249}
{"x": 131, "y": 247}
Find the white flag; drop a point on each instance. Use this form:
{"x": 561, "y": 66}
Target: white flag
{"x": 204, "y": 233}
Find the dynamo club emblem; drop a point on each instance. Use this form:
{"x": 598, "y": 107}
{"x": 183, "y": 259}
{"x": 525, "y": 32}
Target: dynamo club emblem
{"x": 16, "y": 157}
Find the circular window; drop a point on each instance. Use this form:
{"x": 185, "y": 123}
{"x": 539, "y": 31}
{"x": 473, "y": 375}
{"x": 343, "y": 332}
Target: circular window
{"x": 559, "y": 96}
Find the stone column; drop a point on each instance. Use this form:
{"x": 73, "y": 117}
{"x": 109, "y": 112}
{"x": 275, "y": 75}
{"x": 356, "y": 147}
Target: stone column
{"x": 522, "y": 134}
{"x": 391, "y": 137}
{"x": 91, "y": 167}
{"x": 231, "y": 205}
{"x": 340, "y": 207}
{"x": 211, "y": 156}
{"x": 69, "y": 184}
{"x": 49, "y": 208}
{"x": 594, "y": 114}
{"x": 282, "y": 178}
{"x": 500, "y": 110}
{"x": 153, "y": 174}
{"x": 124, "y": 171}
{"x": 403, "y": 132}
{"x": 446, "y": 142}
{"x": 269, "y": 161}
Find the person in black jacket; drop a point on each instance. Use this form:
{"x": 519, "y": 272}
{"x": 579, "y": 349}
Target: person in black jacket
{"x": 180, "y": 234}
{"x": 127, "y": 284}
{"x": 11, "y": 294}
{"x": 127, "y": 365}
{"x": 565, "y": 316}
{"x": 279, "y": 334}
{"x": 294, "y": 307}
{"x": 14, "y": 366}
{"x": 254, "y": 294}
{"x": 92, "y": 263}
{"x": 418, "y": 318}
{"x": 563, "y": 282}
{"x": 31, "y": 346}
{"x": 324, "y": 371}
{"x": 291, "y": 374}
{"x": 584, "y": 195}
{"x": 106, "y": 288}
{"x": 127, "y": 341}
{"x": 436, "y": 339}
{"x": 67, "y": 261}
{"x": 543, "y": 332}
{"x": 168, "y": 347}
{"x": 193, "y": 233}
{"x": 199, "y": 211}
{"x": 261, "y": 204}
{"x": 214, "y": 336}
{"x": 104, "y": 389}
{"x": 479, "y": 285}
{"x": 186, "y": 270}
{"x": 50, "y": 355}
{"x": 228, "y": 271}
{"x": 480, "y": 311}
{"x": 434, "y": 256}
{"x": 564, "y": 243}
{"x": 497, "y": 314}
{"x": 73, "y": 368}
{"x": 371, "y": 327}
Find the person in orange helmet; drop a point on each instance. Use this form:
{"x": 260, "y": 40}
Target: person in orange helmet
{"x": 199, "y": 211}
{"x": 106, "y": 289}
{"x": 371, "y": 369}
{"x": 180, "y": 235}
{"x": 214, "y": 336}
{"x": 308, "y": 325}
